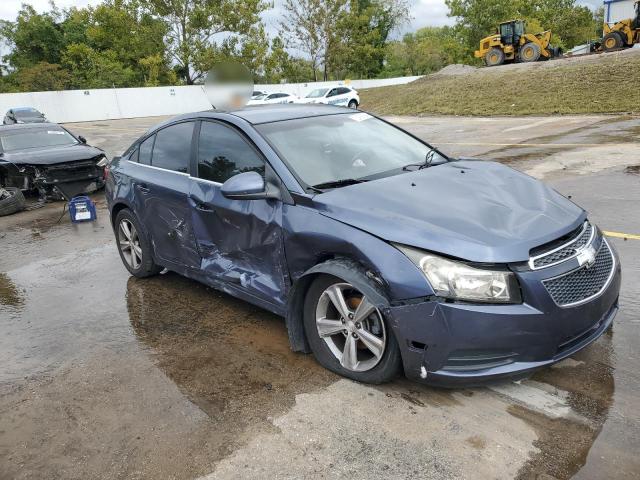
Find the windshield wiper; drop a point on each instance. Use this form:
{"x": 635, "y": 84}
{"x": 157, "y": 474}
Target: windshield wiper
{"x": 337, "y": 183}
{"x": 427, "y": 161}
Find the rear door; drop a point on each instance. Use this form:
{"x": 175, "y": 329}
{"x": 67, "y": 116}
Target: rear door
{"x": 240, "y": 240}
{"x": 162, "y": 191}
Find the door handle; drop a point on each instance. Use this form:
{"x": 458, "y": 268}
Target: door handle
{"x": 203, "y": 207}
{"x": 143, "y": 188}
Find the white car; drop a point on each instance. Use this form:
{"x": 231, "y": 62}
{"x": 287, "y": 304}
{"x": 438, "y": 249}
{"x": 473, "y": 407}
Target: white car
{"x": 271, "y": 98}
{"x": 343, "y": 96}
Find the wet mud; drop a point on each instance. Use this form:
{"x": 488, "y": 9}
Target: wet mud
{"x": 231, "y": 359}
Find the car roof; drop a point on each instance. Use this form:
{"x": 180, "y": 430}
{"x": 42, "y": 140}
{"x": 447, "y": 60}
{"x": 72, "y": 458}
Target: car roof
{"x": 28, "y": 126}
{"x": 257, "y": 114}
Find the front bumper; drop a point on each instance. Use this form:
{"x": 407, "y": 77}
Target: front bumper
{"x": 468, "y": 344}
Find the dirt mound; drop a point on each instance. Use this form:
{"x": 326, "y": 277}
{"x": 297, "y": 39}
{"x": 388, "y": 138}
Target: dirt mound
{"x": 455, "y": 69}
{"x": 604, "y": 83}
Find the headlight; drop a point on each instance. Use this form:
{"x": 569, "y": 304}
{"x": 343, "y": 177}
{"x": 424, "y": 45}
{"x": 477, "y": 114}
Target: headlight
{"x": 459, "y": 281}
{"x": 103, "y": 162}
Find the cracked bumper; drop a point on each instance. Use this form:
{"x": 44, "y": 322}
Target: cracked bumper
{"x": 462, "y": 344}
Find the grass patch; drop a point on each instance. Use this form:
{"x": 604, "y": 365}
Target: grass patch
{"x": 603, "y": 84}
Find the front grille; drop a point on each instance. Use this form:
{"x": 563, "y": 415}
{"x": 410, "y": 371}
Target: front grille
{"x": 584, "y": 283}
{"x": 568, "y": 249}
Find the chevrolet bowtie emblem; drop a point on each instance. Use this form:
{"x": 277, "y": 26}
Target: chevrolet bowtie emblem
{"x": 587, "y": 256}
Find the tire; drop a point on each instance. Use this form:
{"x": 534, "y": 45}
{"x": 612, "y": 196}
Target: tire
{"x": 353, "y": 104}
{"x": 612, "y": 41}
{"x": 494, "y": 57}
{"x": 366, "y": 367}
{"x": 139, "y": 259}
{"x": 12, "y": 203}
{"x": 530, "y": 52}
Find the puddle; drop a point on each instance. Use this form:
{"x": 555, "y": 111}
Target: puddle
{"x": 231, "y": 359}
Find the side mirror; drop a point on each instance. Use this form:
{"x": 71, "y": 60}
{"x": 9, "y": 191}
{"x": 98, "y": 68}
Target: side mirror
{"x": 82, "y": 139}
{"x": 248, "y": 186}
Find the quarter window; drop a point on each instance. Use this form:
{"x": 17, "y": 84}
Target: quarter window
{"x": 145, "y": 151}
{"x": 223, "y": 153}
{"x": 173, "y": 147}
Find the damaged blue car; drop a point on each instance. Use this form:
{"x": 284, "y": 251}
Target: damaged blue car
{"x": 382, "y": 253}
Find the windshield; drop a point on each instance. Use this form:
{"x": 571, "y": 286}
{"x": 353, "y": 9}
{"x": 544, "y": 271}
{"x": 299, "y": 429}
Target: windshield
{"x": 36, "y": 138}
{"x": 340, "y": 147}
{"x": 318, "y": 93}
{"x": 262, "y": 96}
{"x": 26, "y": 113}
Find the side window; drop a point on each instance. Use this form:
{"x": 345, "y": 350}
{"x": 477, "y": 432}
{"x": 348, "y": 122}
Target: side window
{"x": 342, "y": 91}
{"x": 146, "y": 147}
{"x": 223, "y": 153}
{"x": 134, "y": 155}
{"x": 173, "y": 147}
{"x": 333, "y": 92}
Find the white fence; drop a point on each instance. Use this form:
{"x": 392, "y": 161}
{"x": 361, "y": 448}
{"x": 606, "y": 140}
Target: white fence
{"x": 108, "y": 104}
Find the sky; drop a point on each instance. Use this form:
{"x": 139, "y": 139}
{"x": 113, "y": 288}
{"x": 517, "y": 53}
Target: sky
{"x": 423, "y": 12}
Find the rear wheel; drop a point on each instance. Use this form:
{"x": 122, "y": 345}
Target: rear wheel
{"x": 612, "y": 41}
{"x": 530, "y": 52}
{"x": 353, "y": 104}
{"x": 134, "y": 248}
{"x": 347, "y": 333}
{"x": 494, "y": 57}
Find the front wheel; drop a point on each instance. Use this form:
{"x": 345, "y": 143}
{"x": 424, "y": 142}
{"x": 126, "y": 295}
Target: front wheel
{"x": 530, "y": 52}
{"x": 612, "y": 41}
{"x": 133, "y": 246}
{"x": 347, "y": 333}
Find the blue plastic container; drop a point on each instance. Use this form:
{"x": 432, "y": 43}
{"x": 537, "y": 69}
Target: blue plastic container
{"x": 82, "y": 209}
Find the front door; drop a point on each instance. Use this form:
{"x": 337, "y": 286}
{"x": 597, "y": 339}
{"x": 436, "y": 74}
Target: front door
{"x": 162, "y": 193}
{"x": 240, "y": 241}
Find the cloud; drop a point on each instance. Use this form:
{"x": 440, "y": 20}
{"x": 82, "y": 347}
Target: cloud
{"x": 9, "y": 8}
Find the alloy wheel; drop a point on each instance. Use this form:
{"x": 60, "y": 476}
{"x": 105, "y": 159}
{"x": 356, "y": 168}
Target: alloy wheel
{"x": 129, "y": 243}
{"x": 351, "y": 326}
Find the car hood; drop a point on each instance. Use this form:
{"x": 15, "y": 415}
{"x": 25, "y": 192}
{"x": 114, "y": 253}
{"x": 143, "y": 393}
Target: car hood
{"x": 473, "y": 210}
{"x": 52, "y": 155}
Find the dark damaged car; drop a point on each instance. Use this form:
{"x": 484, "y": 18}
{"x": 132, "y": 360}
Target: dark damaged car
{"x": 379, "y": 251}
{"x": 50, "y": 161}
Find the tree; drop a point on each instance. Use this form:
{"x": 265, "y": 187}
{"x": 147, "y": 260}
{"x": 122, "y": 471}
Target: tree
{"x": 33, "y": 37}
{"x": 311, "y": 26}
{"x": 364, "y": 33}
{"x": 43, "y": 77}
{"x": 93, "y": 69}
{"x": 425, "y": 51}
{"x": 192, "y": 25}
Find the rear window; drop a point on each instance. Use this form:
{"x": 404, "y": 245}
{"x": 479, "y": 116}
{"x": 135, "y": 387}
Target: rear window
{"x": 26, "y": 113}
{"x": 36, "y": 138}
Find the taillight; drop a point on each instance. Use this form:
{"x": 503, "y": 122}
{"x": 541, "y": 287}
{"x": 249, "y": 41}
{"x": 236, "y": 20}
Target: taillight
{"x": 105, "y": 173}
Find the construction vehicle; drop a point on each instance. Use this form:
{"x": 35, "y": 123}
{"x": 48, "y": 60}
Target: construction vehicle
{"x": 623, "y": 34}
{"x": 510, "y": 43}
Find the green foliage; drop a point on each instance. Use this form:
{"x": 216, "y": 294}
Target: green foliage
{"x": 194, "y": 24}
{"x": 42, "y": 77}
{"x": 425, "y": 51}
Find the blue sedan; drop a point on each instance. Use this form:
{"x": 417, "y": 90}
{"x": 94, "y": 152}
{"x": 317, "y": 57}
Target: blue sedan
{"x": 382, "y": 253}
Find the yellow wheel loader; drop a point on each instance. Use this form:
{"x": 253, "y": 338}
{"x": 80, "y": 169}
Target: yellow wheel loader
{"x": 623, "y": 34}
{"x": 510, "y": 43}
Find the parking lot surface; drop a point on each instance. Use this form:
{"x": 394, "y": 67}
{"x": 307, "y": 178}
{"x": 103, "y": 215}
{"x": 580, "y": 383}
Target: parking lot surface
{"x": 103, "y": 375}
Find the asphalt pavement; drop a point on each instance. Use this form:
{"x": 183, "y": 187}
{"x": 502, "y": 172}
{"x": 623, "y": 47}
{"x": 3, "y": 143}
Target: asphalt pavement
{"x": 103, "y": 375}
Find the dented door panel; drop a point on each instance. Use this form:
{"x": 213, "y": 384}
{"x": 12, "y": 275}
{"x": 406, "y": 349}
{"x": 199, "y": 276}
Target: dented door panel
{"x": 240, "y": 241}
